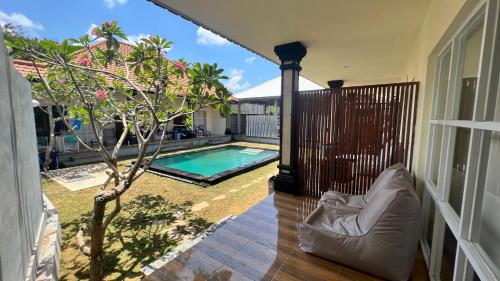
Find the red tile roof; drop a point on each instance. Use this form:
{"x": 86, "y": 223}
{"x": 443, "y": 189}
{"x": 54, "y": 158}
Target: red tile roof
{"x": 26, "y": 67}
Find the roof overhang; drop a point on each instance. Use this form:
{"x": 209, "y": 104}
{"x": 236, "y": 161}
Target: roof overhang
{"x": 356, "y": 41}
{"x": 260, "y": 99}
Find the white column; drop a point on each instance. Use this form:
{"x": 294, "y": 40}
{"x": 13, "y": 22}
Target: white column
{"x": 239, "y": 118}
{"x": 290, "y": 56}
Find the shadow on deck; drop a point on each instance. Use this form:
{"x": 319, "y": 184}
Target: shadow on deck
{"x": 262, "y": 244}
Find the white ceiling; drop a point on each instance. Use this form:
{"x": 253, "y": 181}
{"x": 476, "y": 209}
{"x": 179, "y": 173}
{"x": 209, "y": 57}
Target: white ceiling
{"x": 359, "y": 41}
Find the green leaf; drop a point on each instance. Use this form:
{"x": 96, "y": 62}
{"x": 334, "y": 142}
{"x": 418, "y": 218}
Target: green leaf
{"x": 48, "y": 44}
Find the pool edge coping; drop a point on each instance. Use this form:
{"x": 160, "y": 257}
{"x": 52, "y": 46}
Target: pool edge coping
{"x": 216, "y": 178}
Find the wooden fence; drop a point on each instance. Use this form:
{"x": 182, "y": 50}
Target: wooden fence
{"x": 345, "y": 138}
{"x": 232, "y": 123}
{"x": 262, "y": 126}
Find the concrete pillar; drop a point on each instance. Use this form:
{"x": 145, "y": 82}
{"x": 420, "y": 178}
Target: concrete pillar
{"x": 239, "y": 118}
{"x": 290, "y": 56}
{"x": 275, "y": 107}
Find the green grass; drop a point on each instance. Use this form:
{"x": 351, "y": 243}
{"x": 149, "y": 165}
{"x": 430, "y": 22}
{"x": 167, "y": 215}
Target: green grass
{"x": 133, "y": 241}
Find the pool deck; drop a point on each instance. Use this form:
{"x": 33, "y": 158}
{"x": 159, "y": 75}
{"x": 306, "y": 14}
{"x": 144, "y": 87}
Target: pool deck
{"x": 262, "y": 244}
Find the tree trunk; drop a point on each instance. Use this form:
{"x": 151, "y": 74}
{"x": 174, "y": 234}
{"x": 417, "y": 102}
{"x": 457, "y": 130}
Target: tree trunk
{"x": 50, "y": 143}
{"x": 97, "y": 232}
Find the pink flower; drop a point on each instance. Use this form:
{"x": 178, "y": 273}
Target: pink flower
{"x": 85, "y": 62}
{"x": 180, "y": 66}
{"x": 61, "y": 81}
{"x": 101, "y": 95}
{"x": 95, "y": 31}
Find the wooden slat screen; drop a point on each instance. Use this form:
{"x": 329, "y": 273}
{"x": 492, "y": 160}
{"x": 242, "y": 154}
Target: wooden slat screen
{"x": 263, "y": 126}
{"x": 345, "y": 138}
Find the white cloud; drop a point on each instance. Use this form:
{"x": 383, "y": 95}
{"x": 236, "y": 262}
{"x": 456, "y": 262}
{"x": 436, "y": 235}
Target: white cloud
{"x": 207, "y": 37}
{"x": 134, "y": 38}
{"x": 112, "y": 3}
{"x": 89, "y": 31}
{"x": 250, "y": 60}
{"x": 20, "y": 20}
{"x": 235, "y": 82}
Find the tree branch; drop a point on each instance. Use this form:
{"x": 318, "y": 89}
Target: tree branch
{"x": 49, "y": 92}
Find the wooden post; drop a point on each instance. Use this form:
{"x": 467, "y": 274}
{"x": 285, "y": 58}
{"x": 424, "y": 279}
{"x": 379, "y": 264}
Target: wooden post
{"x": 290, "y": 56}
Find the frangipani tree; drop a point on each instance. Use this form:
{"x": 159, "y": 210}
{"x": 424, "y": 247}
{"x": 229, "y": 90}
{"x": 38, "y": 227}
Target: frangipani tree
{"x": 79, "y": 79}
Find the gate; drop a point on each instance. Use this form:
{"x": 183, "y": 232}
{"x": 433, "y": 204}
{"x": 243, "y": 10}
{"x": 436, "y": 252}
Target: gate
{"x": 346, "y": 137}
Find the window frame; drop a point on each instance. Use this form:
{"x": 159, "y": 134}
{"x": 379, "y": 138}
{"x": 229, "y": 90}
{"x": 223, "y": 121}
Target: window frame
{"x": 465, "y": 226}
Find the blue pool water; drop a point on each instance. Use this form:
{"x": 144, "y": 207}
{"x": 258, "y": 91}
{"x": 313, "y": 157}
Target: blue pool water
{"x": 210, "y": 162}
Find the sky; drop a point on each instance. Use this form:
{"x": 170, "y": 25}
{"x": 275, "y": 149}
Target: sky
{"x": 61, "y": 19}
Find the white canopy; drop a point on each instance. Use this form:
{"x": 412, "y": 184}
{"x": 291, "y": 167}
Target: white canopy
{"x": 272, "y": 89}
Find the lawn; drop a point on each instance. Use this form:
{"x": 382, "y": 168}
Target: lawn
{"x": 139, "y": 235}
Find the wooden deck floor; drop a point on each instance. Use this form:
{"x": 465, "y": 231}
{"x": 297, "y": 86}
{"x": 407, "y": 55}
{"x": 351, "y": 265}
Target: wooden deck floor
{"x": 261, "y": 244}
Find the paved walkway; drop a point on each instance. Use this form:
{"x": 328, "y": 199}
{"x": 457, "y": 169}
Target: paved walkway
{"x": 80, "y": 177}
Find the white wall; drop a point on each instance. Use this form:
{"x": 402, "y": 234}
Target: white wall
{"x": 22, "y": 213}
{"x": 440, "y": 21}
{"x": 216, "y": 124}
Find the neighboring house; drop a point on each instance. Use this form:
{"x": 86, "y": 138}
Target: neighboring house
{"x": 449, "y": 48}
{"x": 208, "y": 121}
{"x": 256, "y": 112}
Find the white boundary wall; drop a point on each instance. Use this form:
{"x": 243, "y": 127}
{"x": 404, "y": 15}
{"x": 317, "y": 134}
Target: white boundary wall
{"x": 22, "y": 211}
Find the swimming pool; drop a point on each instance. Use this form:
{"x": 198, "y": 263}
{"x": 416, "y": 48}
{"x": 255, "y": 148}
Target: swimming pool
{"x": 213, "y": 165}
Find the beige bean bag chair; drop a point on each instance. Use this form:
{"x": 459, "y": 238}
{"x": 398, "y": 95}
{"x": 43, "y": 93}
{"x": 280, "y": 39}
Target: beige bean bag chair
{"x": 377, "y": 232}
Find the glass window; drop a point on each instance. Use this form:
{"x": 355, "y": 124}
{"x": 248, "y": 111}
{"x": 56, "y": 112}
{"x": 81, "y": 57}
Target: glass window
{"x": 436, "y": 153}
{"x": 444, "y": 77}
{"x": 458, "y": 169}
{"x": 497, "y": 103}
{"x": 449, "y": 253}
{"x": 490, "y": 217}
{"x": 470, "y": 73}
{"x": 430, "y": 222}
{"x": 493, "y": 106}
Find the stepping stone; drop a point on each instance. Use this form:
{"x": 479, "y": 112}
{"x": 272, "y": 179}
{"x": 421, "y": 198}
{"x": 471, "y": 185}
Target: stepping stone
{"x": 179, "y": 223}
{"x": 179, "y": 215}
{"x": 200, "y": 206}
{"x": 220, "y": 197}
{"x": 175, "y": 234}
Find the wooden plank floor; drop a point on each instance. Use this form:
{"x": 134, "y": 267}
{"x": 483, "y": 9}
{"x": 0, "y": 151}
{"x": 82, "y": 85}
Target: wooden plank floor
{"x": 262, "y": 244}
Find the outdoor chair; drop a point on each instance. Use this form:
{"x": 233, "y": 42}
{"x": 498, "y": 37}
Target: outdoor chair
{"x": 377, "y": 232}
